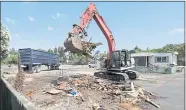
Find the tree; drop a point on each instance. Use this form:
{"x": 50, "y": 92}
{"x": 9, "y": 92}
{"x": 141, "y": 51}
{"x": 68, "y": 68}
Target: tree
{"x": 169, "y": 48}
{"x": 42, "y": 50}
{"x": 55, "y": 50}
{"x": 61, "y": 51}
{"x": 62, "y": 55}
{"x": 132, "y": 51}
{"x": 5, "y": 38}
{"x": 104, "y": 54}
{"x": 137, "y": 49}
{"x": 12, "y": 59}
{"x": 12, "y": 51}
{"x": 147, "y": 50}
{"x": 180, "y": 49}
{"x": 50, "y": 51}
{"x": 78, "y": 58}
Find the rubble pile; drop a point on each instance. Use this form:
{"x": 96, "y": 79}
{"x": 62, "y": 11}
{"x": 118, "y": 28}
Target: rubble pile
{"x": 19, "y": 81}
{"x": 126, "y": 95}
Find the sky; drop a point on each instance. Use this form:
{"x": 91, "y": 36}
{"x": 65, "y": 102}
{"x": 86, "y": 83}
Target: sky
{"x": 46, "y": 25}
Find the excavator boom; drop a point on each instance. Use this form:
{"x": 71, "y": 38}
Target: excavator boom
{"x": 74, "y": 42}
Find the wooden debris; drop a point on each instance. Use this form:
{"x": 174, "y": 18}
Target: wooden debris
{"x": 151, "y": 102}
{"x": 53, "y": 92}
{"x": 79, "y": 82}
{"x": 47, "y": 102}
{"x": 29, "y": 94}
{"x": 132, "y": 86}
{"x": 19, "y": 81}
{"x": 132, "y": 95}
{"x": 62, "y": 86}
{"x": 67, "y": 102}
{"x": 98, "y": 81}
{"x": 80, "y": 98}
{"x": 97, "y": 107}
{"x": 149, "y": 92}
{"x": 129, "y": 95}
{"x": 129, "y": 106}
{"x": 62, "y": 79}
{"x": 140, "y": 91}
{"x": 118, "y": 92}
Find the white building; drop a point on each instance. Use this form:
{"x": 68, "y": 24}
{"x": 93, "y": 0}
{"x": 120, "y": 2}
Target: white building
{"x": 156, "y": 62}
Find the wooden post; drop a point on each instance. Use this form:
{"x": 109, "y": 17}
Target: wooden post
{"x": 146, "y": 60}
{"x": 19, "y": 64}
{"x": 86, "y": 60}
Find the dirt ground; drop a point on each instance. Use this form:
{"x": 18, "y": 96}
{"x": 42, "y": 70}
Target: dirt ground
{"x": 36, "y": 85}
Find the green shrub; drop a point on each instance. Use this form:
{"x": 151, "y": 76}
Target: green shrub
{"x": 11, "y": 59}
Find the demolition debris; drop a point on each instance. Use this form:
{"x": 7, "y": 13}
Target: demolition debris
{"x": 92, "y": 93}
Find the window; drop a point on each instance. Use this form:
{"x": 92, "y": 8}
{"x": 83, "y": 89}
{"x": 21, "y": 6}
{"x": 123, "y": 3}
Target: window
{"x": 161, "y": 59}
{"x": 158, "y": 59}
{"x": 164, "y": 59}
{"x": 116, "y": 56}
{"x": 123, "y": 55}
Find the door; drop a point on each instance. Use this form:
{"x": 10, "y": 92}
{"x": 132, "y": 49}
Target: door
{"x": 115, "y": 61}
{"x": 147, "y": 61}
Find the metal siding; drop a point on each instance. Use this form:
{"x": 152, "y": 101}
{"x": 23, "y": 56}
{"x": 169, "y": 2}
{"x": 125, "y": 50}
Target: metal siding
{"x": 174, "y": 60}
{"x": 38, "y": 57}
{"x": 25, "y": 55}
{"x": 151, "y": 60}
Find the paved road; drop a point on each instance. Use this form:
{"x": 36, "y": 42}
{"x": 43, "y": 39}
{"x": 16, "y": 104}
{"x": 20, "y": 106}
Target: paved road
{"x": 170, "y": 86}
{"x": 174, "y": 90}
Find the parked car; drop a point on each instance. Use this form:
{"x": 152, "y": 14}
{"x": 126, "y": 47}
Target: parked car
{"x": 91, "y": 65}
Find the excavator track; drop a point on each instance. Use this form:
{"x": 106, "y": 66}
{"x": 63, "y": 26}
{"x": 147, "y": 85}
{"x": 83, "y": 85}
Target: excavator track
{"x": 132, "y": 74}
{"x": 113, "y": 76}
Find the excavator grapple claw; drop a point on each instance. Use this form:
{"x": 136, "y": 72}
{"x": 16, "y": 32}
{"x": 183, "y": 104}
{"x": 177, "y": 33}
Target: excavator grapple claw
{"x": 74, "y": 44}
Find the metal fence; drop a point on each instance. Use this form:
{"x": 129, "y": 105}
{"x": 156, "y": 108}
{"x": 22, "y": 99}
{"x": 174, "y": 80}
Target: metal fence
{"x": 10, "y": 99}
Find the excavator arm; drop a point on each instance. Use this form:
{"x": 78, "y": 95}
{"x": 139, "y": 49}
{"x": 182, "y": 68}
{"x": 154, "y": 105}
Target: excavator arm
{"x": 74, "y": 43}
{"x": 106, "y": 31}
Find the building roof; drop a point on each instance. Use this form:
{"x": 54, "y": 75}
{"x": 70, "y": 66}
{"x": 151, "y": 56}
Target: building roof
{"x": 151, "y": 53}
{"x": 141, "y": 54}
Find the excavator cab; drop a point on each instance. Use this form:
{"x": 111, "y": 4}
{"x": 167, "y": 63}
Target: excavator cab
{"x": 119, "y": 59}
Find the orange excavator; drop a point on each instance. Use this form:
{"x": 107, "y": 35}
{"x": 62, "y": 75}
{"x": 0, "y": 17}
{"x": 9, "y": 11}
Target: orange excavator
{"x": 118, "y": 63}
